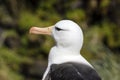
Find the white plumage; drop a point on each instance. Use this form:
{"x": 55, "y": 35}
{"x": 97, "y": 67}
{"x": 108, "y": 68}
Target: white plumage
{"x": 69, "y": 40}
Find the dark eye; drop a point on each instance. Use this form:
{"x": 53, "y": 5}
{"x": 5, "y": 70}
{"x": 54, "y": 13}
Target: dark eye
{"x": 58, "y": 29}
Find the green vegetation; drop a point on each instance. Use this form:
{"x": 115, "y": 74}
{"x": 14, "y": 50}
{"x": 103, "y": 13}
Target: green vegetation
{"x": 24, "y": 56}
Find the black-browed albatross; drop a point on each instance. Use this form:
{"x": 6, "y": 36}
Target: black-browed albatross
{"x": 65, "y": 61}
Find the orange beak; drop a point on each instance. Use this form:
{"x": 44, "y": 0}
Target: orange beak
{"x": 37, "y": 30}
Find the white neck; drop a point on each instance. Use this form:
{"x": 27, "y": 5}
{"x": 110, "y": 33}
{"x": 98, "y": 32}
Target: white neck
{"x": 58, "y": 56}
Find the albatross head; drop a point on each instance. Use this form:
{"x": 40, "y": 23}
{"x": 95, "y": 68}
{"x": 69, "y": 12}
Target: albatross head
{"x": 66, "y": 33}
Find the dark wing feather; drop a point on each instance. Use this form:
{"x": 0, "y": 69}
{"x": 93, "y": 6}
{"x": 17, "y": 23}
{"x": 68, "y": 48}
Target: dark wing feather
{"x": 72, "y": 71}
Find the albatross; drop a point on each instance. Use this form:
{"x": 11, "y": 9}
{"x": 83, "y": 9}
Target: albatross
{"x": 65, "y": 61}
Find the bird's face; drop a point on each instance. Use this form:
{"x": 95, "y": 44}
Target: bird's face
{"x": 66, "y": 33}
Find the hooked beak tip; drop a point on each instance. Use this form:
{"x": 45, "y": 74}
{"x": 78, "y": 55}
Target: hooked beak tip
{"x": 31, "y": 30}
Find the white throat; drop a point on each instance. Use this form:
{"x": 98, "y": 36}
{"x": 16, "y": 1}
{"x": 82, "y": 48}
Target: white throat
{"x": 58, "y": 56}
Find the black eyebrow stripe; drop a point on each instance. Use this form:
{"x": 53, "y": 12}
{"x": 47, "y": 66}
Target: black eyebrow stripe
{"x": 57, "y": 28}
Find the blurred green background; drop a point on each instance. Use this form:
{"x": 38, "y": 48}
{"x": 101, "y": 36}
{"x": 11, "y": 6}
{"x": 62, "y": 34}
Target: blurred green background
{"x": 24, "y": 56}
